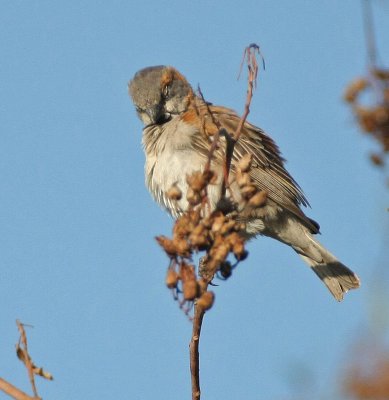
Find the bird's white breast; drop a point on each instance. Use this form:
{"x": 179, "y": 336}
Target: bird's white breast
{"x": 169, "y": 159}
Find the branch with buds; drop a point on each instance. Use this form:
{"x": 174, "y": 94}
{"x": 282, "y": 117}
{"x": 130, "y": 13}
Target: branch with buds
{"x": 216, "y": 235}
{"x": 32, "y": 369}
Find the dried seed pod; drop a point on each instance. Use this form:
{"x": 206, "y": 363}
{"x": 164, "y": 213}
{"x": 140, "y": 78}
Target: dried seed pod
{"x": 202, "y": 286}
{"x": 198, "y": 230}
{"x": 381, "y": 114}
{"x": 187, "y": 272}
{"x": 194, "y": 217}
{"x": 354, "y": 88}
{"x": 238, "y": 248}
{"x": 248, "y": 191}
{"x": 232, "y": 238}
{"x": 174, "y": 193}
{"x": 190, "y": 289}
{"x": 206, "y": 300}
{"x": 199, "y": 237}
{"x": 172, "y": 278}
{"x": 199, "y": 241}
{"x": 244, "y": 163}
{"x": 211, "y": 268}
{"x": 237, "y": 243}
{"x": 207, "y": 222}
{"x": 259, "y": 199}
{"x": 193, "y": 197}
{"x": 228, "y": 226}
{"x": 182, "y": 247}
{"x": 240, "y": 256}
{"x": 220, "y": 253}
{"x": 218, "y": 222}
{"x": 218, "y": 240}
{"x": 225, "y": 269}
{"x": 366, "y": 119}
{"x": 376, "y": 159}
{"x": 382, "y": 74}
{"x": 182, "y": 227}
{"x": 196, "y": 181}
{"x": 168, "y": 245}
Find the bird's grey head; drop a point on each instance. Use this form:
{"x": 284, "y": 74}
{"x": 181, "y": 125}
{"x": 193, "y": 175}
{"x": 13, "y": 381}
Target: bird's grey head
{"x": 159, "y": 93}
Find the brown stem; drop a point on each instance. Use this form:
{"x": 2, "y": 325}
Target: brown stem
{"x": 14, "y": 392}
{"x": 231, "y": 140}
{"x": 252, "y": 65}
{"x": 27, "y": 359}
{"x": 194, "y": 352}
{"x": 369, "y": 33}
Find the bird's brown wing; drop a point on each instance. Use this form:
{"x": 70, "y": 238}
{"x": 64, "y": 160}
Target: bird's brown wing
{"x": 268, "y": 170}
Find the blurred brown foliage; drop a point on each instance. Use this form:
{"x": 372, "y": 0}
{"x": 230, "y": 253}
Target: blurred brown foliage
{"x": 367, "y": 376}
{"x": 373, "y": 118}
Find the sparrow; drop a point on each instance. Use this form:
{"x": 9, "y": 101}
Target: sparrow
{"x": 179, "y": 127}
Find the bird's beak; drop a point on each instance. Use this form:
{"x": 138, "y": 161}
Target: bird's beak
{"x": 154, "y": 113}
{"x": 157, "y": 114}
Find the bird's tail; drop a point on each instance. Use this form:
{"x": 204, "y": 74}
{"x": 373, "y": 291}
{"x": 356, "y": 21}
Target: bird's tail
{"x": 337, "y": 277}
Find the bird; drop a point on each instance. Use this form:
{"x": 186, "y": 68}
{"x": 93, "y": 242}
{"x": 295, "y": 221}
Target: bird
{"x": 179, "y": 127}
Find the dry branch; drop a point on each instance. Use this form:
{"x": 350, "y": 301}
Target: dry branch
{"x": 194, "y": 351}
{"x": 218, "y": 232}
{"x": 22, "y": 352}
{"x": 215, "y": 232}
{"x": 23, "y": 355}
{"x": 14, "y": 392}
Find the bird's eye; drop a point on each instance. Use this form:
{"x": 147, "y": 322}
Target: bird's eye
{"x": 166, "y": 90}
{"x": 138, "y": 109}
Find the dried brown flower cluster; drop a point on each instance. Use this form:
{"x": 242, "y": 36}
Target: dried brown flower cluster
{"x": 251, "y": 195}
{"x": 373, "y": 118}
{"x": 216, "y": 234}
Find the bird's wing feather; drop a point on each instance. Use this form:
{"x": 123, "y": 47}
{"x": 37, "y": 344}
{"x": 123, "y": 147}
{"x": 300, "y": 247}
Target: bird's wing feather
{"x": 268, "y": 170}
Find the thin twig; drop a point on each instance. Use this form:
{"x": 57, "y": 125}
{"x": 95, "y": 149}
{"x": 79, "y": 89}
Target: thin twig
{"x": 368, "y": 24}
{"x": 26, "y": 358}
{"x": 194, "y": 351}
{"x": 249, "y": 54}
{"x": 14, "y": 392}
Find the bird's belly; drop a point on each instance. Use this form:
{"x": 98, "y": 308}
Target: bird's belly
{"x": 172, "y": 169}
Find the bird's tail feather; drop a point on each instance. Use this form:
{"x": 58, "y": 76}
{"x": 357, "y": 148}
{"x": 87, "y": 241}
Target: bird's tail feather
{"x": 336, "y": 276}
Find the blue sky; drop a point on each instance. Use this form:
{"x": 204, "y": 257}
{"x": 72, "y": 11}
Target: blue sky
{"x": 78, "y": 258}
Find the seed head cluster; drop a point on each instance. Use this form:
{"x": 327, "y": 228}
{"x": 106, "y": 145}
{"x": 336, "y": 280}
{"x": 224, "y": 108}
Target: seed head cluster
{"x": 216, "y": 235}
{"x": 373, "y": 117}
{"x": 251, "y": 195}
